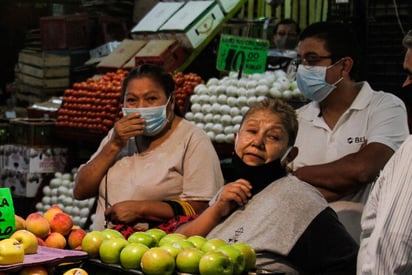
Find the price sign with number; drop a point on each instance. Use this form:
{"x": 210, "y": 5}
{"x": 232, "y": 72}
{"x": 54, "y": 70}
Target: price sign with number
{"x": 242, "y": 54}
{"x": 7, "y": 221}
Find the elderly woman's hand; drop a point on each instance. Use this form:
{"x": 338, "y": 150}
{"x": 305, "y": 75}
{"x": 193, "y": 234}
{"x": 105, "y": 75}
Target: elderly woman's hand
{"x": 234, "y": 194}
{"x": 127, "y": 127}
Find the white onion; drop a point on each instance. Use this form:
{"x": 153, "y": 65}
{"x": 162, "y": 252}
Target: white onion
{"x": 231, "y": 101}
{"x": 234, "y": 111}
{"x": 228, "y": 130}
{"x": 229, "y": 138}
{"x": 200, "y": 125}
{"x": 244, "y": 110}
{"x": 208, "y": 126}
{"x": 194, "y": 98}
{"x": 217, "y": 118}
{"x": 198, "y": 117}
{"x": 231, "y": 91}
{"x": 226, "y": 119}
{"x": 225, "y": 109}
{"x": 217, "y": 128}
{"x": 220, "y": 138}
{"x": 216, "y": 108}
{"x": 222, "y": 99}
{"x": 241, "y": 101}
{"x": 206, "y": 108}
{"x": 212, "y": 81}
{"x": 189, "y": 116}
{"x": 211, "y": 135}
{"x": 251, "y": 100}
{"x": 208, "y": 118}
{"x": 196, "y": 108}
{"x": 237, "y": 119}
{"x": 212, "y": 99}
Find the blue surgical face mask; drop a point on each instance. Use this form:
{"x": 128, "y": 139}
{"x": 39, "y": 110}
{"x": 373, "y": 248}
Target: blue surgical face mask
{"x": 312, "y": 83}
{"x": 155, "y": 118}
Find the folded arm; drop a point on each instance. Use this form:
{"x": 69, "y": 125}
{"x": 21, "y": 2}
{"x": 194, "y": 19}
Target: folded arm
{"x": 348, "y": 174}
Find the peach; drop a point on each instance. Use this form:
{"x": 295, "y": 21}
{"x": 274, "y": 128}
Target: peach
{"x": 37, "y": 224}
{"x": 55, "y": 240}
{"x": 53, "y": 210}
{"x": 75, "y": 237}
{"x": 61, "y": 223}
{"x": 20, "y": 222}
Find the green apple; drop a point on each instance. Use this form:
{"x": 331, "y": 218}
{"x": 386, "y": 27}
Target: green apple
{"x": 172, "y": 249}
{"x": 109, "y": 250}
{"x": 157, "y": 261}
{"x": 11, "y": 252}
{"x": 249, "y": 253}
{"x": 142, "y": 237}
{"x": 27, "y": 239}
{"x": 215, "y": 262}
{"x": 187, "y": 261}
{"x": 235, "y": 256}
{"x": 109, "y": 233}
{"x": 91, "y": 243}
{"x": 212, "y": 244}
{"x": 183, "y": 243}
{"x": 156, "y": 234}
{"x": 131, "y": 255}
{"x": 171, "y": 238}
{"x": 197, "y": 240}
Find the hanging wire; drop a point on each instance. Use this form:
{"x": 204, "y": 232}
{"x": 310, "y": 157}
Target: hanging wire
{"x": 397, "y": 16}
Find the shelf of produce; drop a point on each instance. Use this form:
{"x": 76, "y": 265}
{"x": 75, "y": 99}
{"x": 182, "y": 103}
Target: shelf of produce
{"x": 216, "y": 31}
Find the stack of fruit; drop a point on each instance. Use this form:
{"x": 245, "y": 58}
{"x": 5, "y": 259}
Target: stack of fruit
{"x": 156, "y": 253}
{"x": 185, "y": 84}
{"x": 218, "y": 106}
{"x": 54, "y": 229}
{"x": 92, "y": 104}
{"x": 60, "y": 192}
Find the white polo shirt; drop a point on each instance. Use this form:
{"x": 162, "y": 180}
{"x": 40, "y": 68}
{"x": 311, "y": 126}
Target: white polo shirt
{"x": 372, "y": 117}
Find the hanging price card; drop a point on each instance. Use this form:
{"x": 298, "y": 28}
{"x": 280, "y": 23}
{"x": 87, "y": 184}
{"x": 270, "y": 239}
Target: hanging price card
{"x": 242, "y": 54}
{"x": 7, "y": 221}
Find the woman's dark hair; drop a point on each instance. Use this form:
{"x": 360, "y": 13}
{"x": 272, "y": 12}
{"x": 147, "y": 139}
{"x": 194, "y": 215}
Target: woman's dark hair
{"x": 340, "y": 40}
{"x": 157, "y": 74}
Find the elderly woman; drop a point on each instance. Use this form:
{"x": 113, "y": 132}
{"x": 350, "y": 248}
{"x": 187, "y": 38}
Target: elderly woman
{"x": 284, "y": 219}
{"x": 153, "y": 165}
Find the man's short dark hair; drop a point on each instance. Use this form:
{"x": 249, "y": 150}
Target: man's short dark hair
{"x": 340, "y": 40}
{"x": 287, "y": 21}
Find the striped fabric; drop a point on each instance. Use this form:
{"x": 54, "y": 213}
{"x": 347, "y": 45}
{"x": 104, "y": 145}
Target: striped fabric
{"x": 386, "y": 239}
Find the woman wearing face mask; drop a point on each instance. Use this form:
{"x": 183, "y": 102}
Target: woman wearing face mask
{"x": 287, "y": 221}
{"x": 153, "y": 164}
{"x": 349, "y": 131}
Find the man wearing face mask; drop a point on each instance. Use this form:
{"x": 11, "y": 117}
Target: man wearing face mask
{"x": 153, "y": 165}
{"x": 349, "y": 131}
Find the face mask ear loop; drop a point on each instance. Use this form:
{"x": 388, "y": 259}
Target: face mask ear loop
{"x": 283, "y": 158}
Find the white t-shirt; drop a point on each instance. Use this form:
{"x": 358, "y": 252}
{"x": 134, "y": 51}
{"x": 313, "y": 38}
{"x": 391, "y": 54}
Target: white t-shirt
{"x": 372, "y": 117}
{"x": 386, "y": 239}
{"x": 185, "y": 166}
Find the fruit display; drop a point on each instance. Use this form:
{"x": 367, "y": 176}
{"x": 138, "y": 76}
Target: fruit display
{"x": 184, "y": 88}
{"x": 218, "y": 105}
{"x": 153, "y": 252}
{"x": 59, "y": 192}
{"x": 92, "y": 104}
{"x": 54, "y": 228}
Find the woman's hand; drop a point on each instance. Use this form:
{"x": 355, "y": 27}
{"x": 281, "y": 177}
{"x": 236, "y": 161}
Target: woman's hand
{"x": 234, "y": 194}
{"x": 125, "y": 212}
{"x": 127, "y": 127}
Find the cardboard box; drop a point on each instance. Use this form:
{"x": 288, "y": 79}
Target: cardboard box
{"x": 193, "y": 23}
{"x": 148, "y": 27}
{"x": 23, "y": 184}
{"x": 123, "y": 53}
{"x": 228, "y": 5}
{"x": 28, "y": 159}
{"x": 166, "y": 53}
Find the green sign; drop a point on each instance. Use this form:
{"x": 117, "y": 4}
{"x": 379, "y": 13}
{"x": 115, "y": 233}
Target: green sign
{"x": 7, "y": 221}
{"x": 242, "y": 54}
